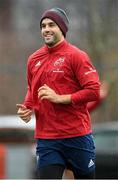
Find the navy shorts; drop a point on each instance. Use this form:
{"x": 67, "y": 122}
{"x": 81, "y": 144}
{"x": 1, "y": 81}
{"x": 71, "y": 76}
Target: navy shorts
{"x": 73, "y": 153}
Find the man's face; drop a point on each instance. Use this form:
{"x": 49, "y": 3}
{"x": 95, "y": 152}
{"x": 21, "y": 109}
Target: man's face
{"x": 51, "y": 33}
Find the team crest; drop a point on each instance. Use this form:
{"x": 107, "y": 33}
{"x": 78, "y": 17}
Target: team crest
{"x": 59, "y": 61}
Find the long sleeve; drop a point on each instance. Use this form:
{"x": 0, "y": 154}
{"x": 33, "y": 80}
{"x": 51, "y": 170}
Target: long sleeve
{"x": 88, "y": 79}
{"x": 28, "y": 102}
{"x": 93, "y": 105}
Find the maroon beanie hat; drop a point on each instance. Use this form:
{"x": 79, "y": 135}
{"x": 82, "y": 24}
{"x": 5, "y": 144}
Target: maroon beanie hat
{"x": 59, "y": 17}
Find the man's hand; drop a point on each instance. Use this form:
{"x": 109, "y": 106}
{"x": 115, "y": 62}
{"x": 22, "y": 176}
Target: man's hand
{"x": 104, "y": 89}
{"x": 24, "y": 113}
{"x": 45, "y": 92}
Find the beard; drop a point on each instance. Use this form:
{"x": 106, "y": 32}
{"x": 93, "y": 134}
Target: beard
{"x": 51, "y": 41}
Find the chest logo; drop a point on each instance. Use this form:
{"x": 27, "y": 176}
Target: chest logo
{"x": 59, "y": 61}
{"x": 38, "y": 64}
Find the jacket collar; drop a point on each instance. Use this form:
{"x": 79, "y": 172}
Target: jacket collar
{"x": 57, "y": 47}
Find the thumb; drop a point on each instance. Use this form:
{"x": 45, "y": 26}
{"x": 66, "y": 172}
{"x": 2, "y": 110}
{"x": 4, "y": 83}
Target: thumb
{"x": 21, "y": 106}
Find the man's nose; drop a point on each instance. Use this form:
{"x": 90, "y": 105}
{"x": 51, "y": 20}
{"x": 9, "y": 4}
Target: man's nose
{"x": 47, "y": 28}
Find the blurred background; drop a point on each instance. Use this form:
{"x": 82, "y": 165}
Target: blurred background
{"x": 93, "y": 28}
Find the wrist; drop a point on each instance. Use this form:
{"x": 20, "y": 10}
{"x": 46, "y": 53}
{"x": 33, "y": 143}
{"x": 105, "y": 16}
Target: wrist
{"x": 65, "y": 99}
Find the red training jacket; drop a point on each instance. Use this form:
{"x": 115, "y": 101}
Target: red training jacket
{"x": 67, "y": 70}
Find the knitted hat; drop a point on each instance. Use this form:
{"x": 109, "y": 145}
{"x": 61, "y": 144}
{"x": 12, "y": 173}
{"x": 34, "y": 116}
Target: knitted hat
{"x": 59, "y": 17}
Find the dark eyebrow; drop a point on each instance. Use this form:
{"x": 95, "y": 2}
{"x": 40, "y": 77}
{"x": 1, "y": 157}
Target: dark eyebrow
{"x": 42, "y": 24}
{"x": 50, "y": 23}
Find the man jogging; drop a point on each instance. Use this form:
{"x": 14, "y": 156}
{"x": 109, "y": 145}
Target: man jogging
{"x": 61, "y": 81}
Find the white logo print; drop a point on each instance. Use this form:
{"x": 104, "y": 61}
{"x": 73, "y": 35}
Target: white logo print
{"x": 91, "y": 70}
{"x": 91, "y": 163}
{"x": 38, "y": 64}
{"x": 59, "y": 61}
